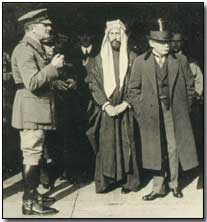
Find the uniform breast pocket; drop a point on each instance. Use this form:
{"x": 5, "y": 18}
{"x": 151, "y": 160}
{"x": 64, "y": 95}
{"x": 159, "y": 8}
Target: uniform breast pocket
{"x": 37, "y": 110}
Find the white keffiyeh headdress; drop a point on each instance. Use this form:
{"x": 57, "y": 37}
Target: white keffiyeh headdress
{"x": 107, "y": 58}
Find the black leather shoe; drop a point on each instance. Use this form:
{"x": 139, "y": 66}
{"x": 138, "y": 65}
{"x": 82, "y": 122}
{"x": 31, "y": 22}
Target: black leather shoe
{"x": 34, "y": 208}
{"x": 125, "y": 191}
{"x": 152, "y": 196}
{"x": 177, "y": 193}
{"x": 41, "y": 198}
{"x": 200, "y": 182}
{"x": 106, "y": 190}
{"x": 46, "y": 199}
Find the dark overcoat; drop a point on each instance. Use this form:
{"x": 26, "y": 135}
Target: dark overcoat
{"x": 33, "y": 104}
{"x": 143, "y": 95}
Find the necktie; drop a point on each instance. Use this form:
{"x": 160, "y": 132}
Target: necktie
{"x": 160, "y": 60}
{"x": 86, "y": 55}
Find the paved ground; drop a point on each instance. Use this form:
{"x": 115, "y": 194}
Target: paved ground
{"x": 82, "y": 202}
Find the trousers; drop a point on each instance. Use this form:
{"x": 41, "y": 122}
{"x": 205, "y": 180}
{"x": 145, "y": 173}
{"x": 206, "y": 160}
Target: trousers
{"x": 31, "y": 143}
{"x": 172, "y": 155}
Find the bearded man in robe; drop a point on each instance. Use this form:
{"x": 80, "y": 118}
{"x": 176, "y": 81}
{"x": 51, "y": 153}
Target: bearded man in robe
{"x": 111, "y": 129}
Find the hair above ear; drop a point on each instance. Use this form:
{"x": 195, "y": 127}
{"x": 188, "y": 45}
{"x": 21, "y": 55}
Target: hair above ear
{"x": 28, "y": 28}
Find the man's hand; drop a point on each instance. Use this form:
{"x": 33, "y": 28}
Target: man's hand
{"x": 60, "y": 85}
{"x": 121, "y": 107}
{"x": 72, "y": 84}
{"x": 111, "y": 110}
{"x": 58, "y": 61}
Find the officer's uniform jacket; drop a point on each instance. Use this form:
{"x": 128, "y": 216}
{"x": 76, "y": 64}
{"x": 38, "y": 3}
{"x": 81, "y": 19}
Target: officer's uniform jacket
{"x": 34, "y": 100}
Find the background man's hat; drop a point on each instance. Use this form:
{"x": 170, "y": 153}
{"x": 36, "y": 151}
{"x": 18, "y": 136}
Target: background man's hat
{"x": 34, "y": 17}
{"x": 158, "y": 31}
{"x": 87, "y": 30}
{"x": 178, "y": 36}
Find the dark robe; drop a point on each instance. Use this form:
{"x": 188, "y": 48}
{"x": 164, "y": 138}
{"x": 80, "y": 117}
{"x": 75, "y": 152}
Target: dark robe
{"x": 112, "y": 137}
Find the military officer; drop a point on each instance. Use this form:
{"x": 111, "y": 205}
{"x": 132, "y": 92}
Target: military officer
{"x": 33, "y": 109}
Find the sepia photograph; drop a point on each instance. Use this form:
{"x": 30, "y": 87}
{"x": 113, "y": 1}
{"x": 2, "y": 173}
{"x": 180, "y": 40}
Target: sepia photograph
{"x": 103, "y": 110}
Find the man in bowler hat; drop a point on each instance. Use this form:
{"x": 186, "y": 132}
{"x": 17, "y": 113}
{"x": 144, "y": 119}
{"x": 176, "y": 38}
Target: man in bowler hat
{"x": 161, "y": 90}
{"x": 33, "y": 109}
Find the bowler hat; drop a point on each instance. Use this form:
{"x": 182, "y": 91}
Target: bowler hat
{"x": 88, "y": 30}
{"x": 35, "y": 16}
{"x": 158, "y": 31}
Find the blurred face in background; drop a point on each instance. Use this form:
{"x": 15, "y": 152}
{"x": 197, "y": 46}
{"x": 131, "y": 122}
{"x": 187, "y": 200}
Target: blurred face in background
{"x": 115, "y": 38}
{"x": 161, "y": 47}
{"x": 176, "y": 46}
{"x": 86, "y": 40}
{"x": 177, "y": 42}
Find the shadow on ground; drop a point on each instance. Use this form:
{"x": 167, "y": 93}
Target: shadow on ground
{"x": 13, "y": 189}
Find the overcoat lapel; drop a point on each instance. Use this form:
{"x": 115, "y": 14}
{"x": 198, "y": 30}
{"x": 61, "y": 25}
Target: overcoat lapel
{"x": 100, "y": 68}
{"x": 172, "y": 73}
{"x": 151, "y": 72}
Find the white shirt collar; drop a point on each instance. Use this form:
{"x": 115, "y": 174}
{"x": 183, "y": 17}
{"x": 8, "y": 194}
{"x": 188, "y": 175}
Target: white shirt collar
{"x": 157, "y": 54}
{"x": 159, "y": 59}
{"x": 89, "y": 48}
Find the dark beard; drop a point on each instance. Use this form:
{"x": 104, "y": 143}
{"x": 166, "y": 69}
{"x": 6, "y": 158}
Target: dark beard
{"x": 176, "y": 50}
{"x": 115, "y": 45}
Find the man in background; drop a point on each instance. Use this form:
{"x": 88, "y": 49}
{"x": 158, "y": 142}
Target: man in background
{"x": 84, "y": 50}
{"x": 61, "y": 143}
{"x": 178, "y": 46}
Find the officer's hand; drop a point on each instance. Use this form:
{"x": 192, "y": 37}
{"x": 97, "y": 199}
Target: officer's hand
{"x": 60, "y": 85}
{"x": 58, "y": 61}
{"x": 72, "y": 84}
{"x": 111, "y": 111}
